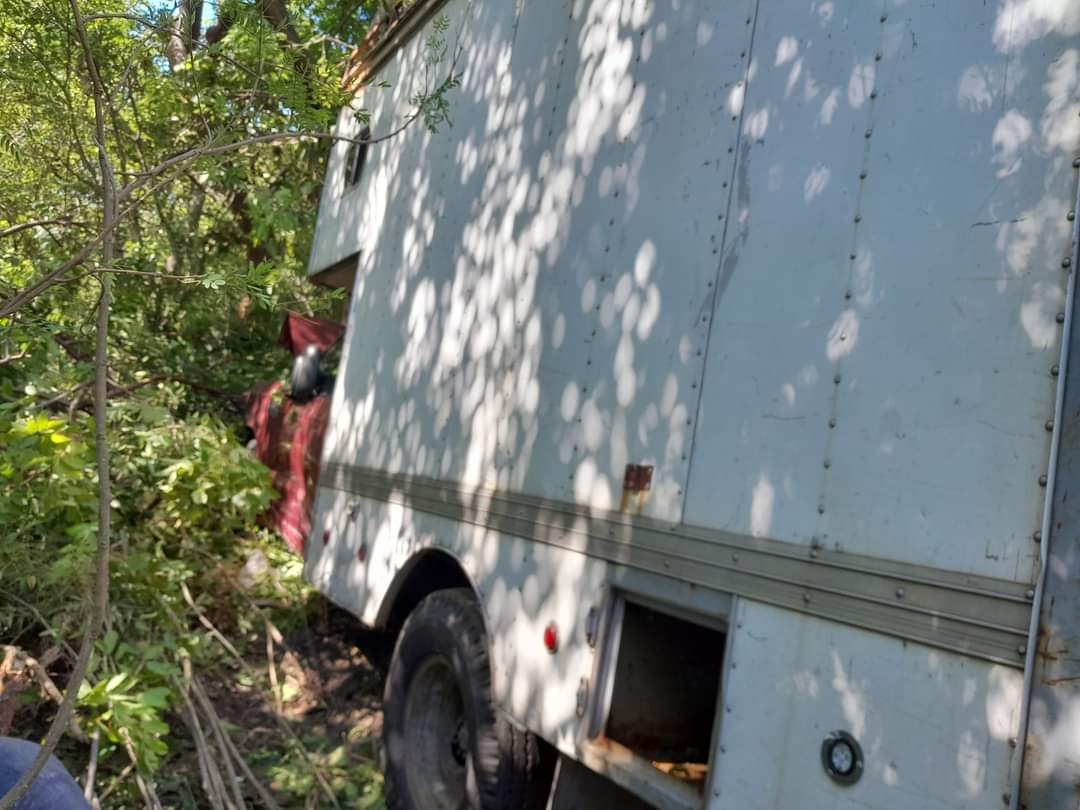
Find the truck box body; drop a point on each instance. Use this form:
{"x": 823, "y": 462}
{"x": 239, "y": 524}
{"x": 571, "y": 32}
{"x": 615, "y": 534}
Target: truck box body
{"x": 750, "y": 313}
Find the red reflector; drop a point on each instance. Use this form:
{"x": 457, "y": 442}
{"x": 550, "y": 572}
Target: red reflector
{"x": 326, "y": 537}
{"x": 551, "y": 638}
{"x": 361, "y": 553}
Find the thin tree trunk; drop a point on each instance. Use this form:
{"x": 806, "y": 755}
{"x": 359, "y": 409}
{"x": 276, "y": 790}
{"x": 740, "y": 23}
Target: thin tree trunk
{"x": 184, "y": 33}
{"x": 100, "y": 597}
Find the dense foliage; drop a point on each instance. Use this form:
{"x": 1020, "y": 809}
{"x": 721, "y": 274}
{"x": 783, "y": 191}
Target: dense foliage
{"x": 207, "y": 257}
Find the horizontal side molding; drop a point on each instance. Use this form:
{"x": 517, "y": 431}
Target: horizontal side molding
{"x": 977, "y": 616}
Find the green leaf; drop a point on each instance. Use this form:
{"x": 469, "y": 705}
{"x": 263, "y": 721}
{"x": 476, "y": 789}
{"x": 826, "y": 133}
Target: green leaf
{"x": 35, "y": 425}
{"x": 115, "y": 681}
{"x": 108, "y": 642}
{"x": 157, "y": 697}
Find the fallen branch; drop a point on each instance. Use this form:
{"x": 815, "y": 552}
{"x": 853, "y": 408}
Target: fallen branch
{"x": 205, "y": 622}
{"x": 91, "y": 767}
{"x": 18, "y": 663}
{"x": 250, "y": 672}
{"x": 271, "y": 670}
{"x": 146, "y": 787}
{"x": 229, "y": 754}
{"x": 264, "y": 794}
{"x": 219, "y": 738}
{"x": 116, "y": 782}
{"x": 212, "y": 782}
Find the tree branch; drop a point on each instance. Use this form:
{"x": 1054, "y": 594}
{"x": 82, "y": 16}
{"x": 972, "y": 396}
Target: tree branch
{"x": 215, "y": 721}
{"x": 207, "y": 150}
{"x": 37, "y": 614}
{"x": 24, "y": 226}
{"x": 54, "y": 277}
{"x": 92, "y": 765}
{"x": 15, "y": 302}
{"x": 70, "y": 399}
{"x": 118, "y": 390}
{"x": 19, "y": 662}
{"x": 180, "y": 40}
{"x": 148, "y": 274}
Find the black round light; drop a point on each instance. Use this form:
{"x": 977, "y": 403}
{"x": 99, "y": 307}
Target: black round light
{"x": 842, "y": 758}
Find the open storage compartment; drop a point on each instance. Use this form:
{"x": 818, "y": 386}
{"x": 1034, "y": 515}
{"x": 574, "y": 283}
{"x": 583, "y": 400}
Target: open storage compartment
{"x": 662, "y": 687}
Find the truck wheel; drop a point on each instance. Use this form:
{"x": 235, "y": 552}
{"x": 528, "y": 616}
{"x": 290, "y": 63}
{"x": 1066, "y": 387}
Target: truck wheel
{"x": 445, "y": 745}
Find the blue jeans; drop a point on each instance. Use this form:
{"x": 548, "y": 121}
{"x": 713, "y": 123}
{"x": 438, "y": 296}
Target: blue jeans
{"x": 54, "y": 789}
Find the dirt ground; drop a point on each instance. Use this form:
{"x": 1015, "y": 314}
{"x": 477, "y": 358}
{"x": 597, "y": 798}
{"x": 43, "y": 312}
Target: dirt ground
{"x": 331, "y": 698}
{"x": 328, "y": 700}
{"x": 329, "y": 685}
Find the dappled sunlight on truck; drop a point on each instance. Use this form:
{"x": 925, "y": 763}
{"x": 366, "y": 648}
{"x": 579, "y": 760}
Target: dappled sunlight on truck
{"x": 809, "y": 264}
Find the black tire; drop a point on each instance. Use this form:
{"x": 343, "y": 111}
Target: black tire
{"x": 487, "y": 763}
{"x": 524, "y": 782}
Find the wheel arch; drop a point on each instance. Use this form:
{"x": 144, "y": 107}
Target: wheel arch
{"x": 435, "y": 569}
{"x": 427, "y": 571}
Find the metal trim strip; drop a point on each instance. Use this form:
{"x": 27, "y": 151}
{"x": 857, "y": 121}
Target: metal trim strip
{"x": 981, "y": 617}
{"x": 1046, "y": 531}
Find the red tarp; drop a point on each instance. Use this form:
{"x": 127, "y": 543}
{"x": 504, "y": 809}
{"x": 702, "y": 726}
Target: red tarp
{"x": 289, "y": 434}
{"x": 298, "y": 332}
{"x": 288, "y": 440}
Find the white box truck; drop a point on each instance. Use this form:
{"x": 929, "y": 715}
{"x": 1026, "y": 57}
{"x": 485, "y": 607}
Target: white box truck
{"x": 706, "y": 425}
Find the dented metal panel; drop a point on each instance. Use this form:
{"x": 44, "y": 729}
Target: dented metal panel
{"x": 759, "y": 448}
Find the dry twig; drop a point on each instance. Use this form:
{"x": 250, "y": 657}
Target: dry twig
{"x": 316, "y": 771}
{"x": 91, "y": 768}
{"x": 230, "y": 756}
{"x": 271, "y": 670}
{"x": 16, "y": 663}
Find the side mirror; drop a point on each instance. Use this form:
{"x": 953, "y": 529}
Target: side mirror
{"x": 304, "y": 379}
